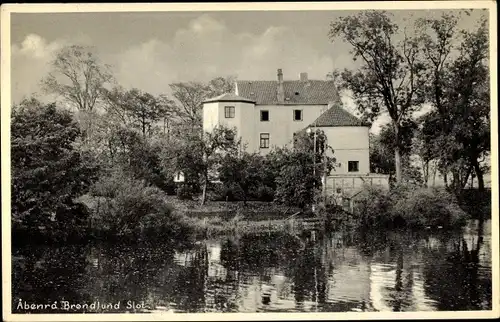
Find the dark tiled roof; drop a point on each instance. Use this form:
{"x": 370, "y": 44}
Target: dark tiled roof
{"x": 229, "y": 97}
{"x": 311, "y": 92}
{"x": 337, "y": 116}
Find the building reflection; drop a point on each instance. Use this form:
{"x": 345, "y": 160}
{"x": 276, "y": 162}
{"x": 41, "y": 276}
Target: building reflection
{"x": 279, "y": 272}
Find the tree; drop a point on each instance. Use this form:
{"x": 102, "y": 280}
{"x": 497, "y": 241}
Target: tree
{"x": 297, "y": 172}
{"x": 47, "y": 172}
{"x": 382, "y": 148}
{"x": 138, "y": 109}
{"x": 244, "y": 172}
{"x": 390, "y": 78}
{"x": 141, "y": 159}
{"x": 221, "y": 85}
{"x": 190, "y": 96}
{"x": 198, "y": 157}
{"x": 459, "y": 92}
{"x": 78, "y": 76}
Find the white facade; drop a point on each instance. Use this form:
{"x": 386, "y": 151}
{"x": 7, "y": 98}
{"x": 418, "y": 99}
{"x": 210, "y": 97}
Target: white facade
{"x": 350, "y": 143}
{"x": 264, "y": 114}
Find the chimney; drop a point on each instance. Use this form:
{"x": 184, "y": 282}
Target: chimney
{"x": 280, "y": 90}
{"x": 303, "y": 77}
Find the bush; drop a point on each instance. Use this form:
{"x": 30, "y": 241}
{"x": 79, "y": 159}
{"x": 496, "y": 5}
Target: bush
{"x": 264, "y": 193}
{"x": 373, "y": 206}
{"x": 125, "y": 207}
{"x": 429, "y": 207}
{"x": 184, "y": 192}
{"x": 407, "y": 206}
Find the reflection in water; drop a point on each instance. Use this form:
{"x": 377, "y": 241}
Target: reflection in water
{"x": 336, "y": 272}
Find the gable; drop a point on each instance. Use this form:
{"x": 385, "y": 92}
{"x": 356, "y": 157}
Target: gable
{"x": 337, "y": 116}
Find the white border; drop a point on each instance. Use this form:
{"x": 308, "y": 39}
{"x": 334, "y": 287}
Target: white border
{"x": 7, "y": 9}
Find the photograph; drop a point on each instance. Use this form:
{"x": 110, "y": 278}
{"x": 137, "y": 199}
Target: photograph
{"x": 333, "y": 160}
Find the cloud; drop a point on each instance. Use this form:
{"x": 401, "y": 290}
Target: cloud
{"x": 30, "y": 62}
{"x": 203, "y": 49}
{"x": 207, "y": 48}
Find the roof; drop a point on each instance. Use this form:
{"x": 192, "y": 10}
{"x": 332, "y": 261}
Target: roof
{"x": 229, "y": 97}
{"x": 337, "y": 116}
{"x": 310, "y": 92}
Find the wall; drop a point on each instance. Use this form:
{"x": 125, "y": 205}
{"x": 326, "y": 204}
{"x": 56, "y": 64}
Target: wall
{"x": 214, "y": 114}
{"x": 350, "y": 143}
{"x": 210, "y": 116}
{"x": 281, "y": 124}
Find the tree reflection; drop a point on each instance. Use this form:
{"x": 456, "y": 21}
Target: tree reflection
{"x": 453, "y": 276}
{"x": 42, "y": 275}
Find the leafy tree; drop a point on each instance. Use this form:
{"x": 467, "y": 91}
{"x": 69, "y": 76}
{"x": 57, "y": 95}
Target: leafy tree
{"x": 141, "y": 159}
{"x": 138, "y": 109}
{"x": 244, "y": 172}
{"x": 297, "y": 172}
{"x": 221, "y": 85}
{"x": 457, "y": 131}
{"x": 295, "y": 184}
{"x": 382, "y": 148}
{"x": 199, "y": 157}
{"x": 323, "y": 153}
{"x": 390, "y": 77}
{"x": 47, "y": 172}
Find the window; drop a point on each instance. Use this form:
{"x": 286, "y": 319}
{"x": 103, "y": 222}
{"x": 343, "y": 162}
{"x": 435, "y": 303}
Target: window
{"x": 264, "y": 140}
{"x": 353, "y": 166}
{"x": 297, "y": 115}
{"x": 229, "y": 112}
{"x": 264, "y": 116}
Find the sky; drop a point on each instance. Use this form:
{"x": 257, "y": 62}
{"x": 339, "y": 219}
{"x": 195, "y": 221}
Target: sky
{"x": 149, "y": 50}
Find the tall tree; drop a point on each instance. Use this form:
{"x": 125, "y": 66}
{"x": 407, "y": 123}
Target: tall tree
{"x": 190, "y": 96}
{"x": 78, "y": 76}
{"x": 47, "y": 171}
{"x": 199, "y": 156}
{"x": 138, "y": 109}
{"x": 459, "y": 92}
{"x": 382, "y": 148}
{"x": 221, "y": 85}
{"x": 390, "y": 78}
{"x": 244, "y": 172}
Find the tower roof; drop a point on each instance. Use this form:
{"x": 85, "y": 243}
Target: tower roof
{"x": 229, "y": 97}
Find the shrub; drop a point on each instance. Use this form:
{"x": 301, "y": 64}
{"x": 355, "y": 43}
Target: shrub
{"x": 429, "y": 207}
{"x": 184, "y": 192}
{"x": 373, "y": 206}
{"x": 407, "y": 206}
{"x": 126, "y": 207}
{"x": 264, "y": 193}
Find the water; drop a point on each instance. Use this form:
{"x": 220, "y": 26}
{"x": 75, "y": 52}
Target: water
{"x": 338, "y": 272}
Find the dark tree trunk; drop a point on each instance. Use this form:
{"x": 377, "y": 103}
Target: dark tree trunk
{"x": 204, "y": 193}
{"x": 397, "y": 155}
{"x": 479, "y": 175}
